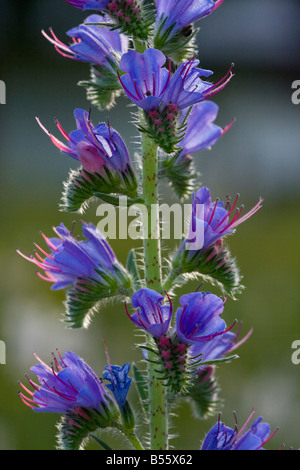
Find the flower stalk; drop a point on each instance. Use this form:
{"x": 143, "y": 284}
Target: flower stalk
{"x": 152, "y": 253}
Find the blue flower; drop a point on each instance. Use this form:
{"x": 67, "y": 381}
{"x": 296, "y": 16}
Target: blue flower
{"x": 222, "y": 437}
{"x": 145, "y": 79}
{"x": 71, "y": 261}
{"x": 217, "y": 347}
{"x": 150, "y": 85}
{"x": 151, "y": 316}
{"x": 198, "y": 318}
{"x": 68, "y": 385}
{"x": 99, "y": 46}
{"x": 179, "y": 14}
{"x": 201, "y": 131}
{"x": 212, "y": 220}
{"x": 88, "y": 5}
{"x": 96, "y": 148}
{"x": 119, "y": 382}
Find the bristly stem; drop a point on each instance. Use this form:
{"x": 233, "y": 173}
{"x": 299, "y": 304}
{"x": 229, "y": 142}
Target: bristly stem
{"x": 157, "y": 394}
{"x": 158, "y": 413}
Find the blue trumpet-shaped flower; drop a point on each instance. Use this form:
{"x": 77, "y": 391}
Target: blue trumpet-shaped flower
{"x": 71, "y": 260}
{"x": 178, "y": 14}
{"x": 151, "y": 315}
{"x": 69, "y": 384}
{"x": 222, "y": 437}
{"x": 119, "y": 382}
{"x": 96, "y": 148}
{"x": 213, "y": 220}
{"x": 96, "y": 45}
{"x": 148, "y": 84}
{"x": 198, "y": 318}
{"x": 201, "y": 132}
{"x": 145, "y": 79}
{"x": 88, "y": 5}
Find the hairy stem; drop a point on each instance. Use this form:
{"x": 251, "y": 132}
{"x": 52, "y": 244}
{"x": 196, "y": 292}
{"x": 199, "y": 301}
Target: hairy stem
{"x": 157, "y": 394}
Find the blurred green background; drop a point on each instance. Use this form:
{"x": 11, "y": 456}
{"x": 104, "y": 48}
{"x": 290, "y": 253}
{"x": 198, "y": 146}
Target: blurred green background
{"x": 259, "y": 156}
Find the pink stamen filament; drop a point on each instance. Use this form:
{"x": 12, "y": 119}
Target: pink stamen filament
{"x": 213, "y": 212}
{"x": 64, "y": 133}
{"x": 228, "y": 213}
{"x": 134, "y": 321}
{"x": 49, "y": 243}
{"x": 213, "y": 87}
{"x": 189, "y": 63}
{"x": 167, "y": 81}
{"x": 43, "y": 251}
{"x": 210, "y": 337}
{"x": 267, "y": 440}
{"x": 126, "y": 89}
{"x": 250, "y": 213}
{"x": 60, "y": 356}
{"x": 240, "y": 432}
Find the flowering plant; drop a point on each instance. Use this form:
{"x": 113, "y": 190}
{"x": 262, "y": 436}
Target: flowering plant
{"x": 148, "y": 54}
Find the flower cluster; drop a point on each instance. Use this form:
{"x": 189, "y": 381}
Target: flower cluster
{"x": 163, "y": 96}
{"x": 193, "y": 340}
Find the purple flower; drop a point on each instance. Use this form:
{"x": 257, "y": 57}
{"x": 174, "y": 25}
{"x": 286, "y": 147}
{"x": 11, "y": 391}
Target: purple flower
{"x": 201, "y": 131}
{"x": 119, "y": 382}
{"x": 148, "y": 84}
{"x": 217, "y": 347}
{"x": 199, "y": 319}
{"x": 211, "y": 220}
{"x": 97, "y": 45}
{"x": 222, "y": 437}
{"x": 178, "y": 14}
{"x": 88, "y": 5}
{"x": 151, "y": 316}
{"x": 69, "y": 385}
{"x": 145, "y": 79}
{"x": 71, "y": 260}
{"x": 186, "y": 87}
{"x": 95, "y": 147}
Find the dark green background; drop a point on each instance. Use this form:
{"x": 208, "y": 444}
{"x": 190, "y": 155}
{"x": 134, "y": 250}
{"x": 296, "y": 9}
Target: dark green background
{"x": 258, "y": 157}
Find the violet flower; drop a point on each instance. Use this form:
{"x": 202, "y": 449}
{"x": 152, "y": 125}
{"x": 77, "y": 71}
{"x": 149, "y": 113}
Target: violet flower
{"x": 71, "y": 261}
{"x": 99, "y": 46}
{"x": 119, "y": 382}
{"x": 177, "y": 15}
{"x": 148, "y": 84}
{"x": 95, "y": 148}
{"x": 201, "y": 132}
{"x": 68, "y": 385}
{"x": 88, "y": 5}
{"x": 213, "y": 220}
{"x": 198, "y": 319}
{"x": 222, "y": 437}
{"x": 151, "y": 316}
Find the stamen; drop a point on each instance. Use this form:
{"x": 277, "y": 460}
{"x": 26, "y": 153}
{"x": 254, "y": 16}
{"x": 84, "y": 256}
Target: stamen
{"x": 125, "y": 88}
{"x": 213, "y": 212}
{"x": 167, "y": 81}
{"x": 60, "y": 356}
{"x": 228, "y": 213}
{"x": 64, "y": 133}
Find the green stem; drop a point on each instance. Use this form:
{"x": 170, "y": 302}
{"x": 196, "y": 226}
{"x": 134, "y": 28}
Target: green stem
{"x": 157, "y": 394}
{"x": 131, "y": 436}
{"x": 171, "y": 279}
